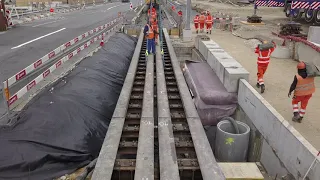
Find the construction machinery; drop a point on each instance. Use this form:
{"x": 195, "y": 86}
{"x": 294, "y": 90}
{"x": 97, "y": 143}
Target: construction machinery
{"x": 309, "y": 8}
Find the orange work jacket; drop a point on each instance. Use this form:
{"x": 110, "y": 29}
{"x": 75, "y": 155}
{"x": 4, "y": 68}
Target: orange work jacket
{"x": 264, "y": 56}
{"x": 150, "y": 32}
{"x": 202, "y": 19}
{"x": 196, "y": 20}
{"x": 304, "y": 86}
{"x": 209, "y": 19}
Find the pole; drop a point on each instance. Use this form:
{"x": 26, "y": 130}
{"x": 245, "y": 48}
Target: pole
{"x": 187, "y": 26}
{"x": 255, "y": 8}
{"x": 5, "y": 98}
{"x": 187, "y": 33}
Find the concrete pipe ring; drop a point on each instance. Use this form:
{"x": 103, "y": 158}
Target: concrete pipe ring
{"x": 229, "y": 146}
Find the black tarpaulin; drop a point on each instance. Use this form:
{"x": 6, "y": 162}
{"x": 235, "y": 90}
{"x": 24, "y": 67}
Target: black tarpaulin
{"x": 63, "y": 128}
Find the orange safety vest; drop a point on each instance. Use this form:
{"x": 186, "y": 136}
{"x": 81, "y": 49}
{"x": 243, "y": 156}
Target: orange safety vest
{"x": 264, "y": 56}
{"x": 150, "y": 32}
{"x": 202, "y": 19}
{"x": 153, "y": 16}
{"x": 196, "y": 19}
{"x": 155, "y": 25}
{"x": 304, "y": 86}
{"x": 153, "y": 11}
{"x": 209, "y": 19}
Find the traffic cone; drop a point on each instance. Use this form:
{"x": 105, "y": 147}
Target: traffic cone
{"x": 102, "y": 41}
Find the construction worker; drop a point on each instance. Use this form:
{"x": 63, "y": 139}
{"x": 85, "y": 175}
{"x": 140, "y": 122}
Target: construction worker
{"x": 196, "y": 22}
{"x": 150, "y": 34}
{"x": 155, "y": 28}
{"x": 209, "y": 22}
{"x": 303, "y": 87}
{"x": 263, "y": 62}
{"x": 153, "y": 11}
{"x": 202, "y": 20}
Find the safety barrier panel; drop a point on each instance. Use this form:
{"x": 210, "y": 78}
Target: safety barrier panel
{"x": 48, "y": 58}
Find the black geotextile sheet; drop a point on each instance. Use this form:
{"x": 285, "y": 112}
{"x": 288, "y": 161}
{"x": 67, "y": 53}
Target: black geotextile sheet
{"x": 63, "y": 128}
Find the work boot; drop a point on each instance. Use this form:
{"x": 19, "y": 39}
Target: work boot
{"x": 296, "y": 117}
{"x": 263, "y": 87}
{"x": 258, "y": 85}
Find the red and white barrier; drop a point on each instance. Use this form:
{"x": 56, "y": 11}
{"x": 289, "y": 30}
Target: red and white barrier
{"x": 299, "y": 39}
{"x": 32, "y": 67}
{"x": 42, "y": 76}
{"x": 8, "y": 17}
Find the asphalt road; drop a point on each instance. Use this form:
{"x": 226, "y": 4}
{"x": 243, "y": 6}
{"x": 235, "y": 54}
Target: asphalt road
{"x": 23, "y": 45}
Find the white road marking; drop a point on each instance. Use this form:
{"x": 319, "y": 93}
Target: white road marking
{"x": 44, "y": 23}
{"x": 113, "y": 7}
{"x": 38, "y": 38}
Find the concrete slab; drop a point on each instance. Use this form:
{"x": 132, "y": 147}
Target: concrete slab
{"x": 313, "y": 35}
{"x": 223, "y": 64}
{"x": 243, "y": 171}
{"x": 232, "y": 76}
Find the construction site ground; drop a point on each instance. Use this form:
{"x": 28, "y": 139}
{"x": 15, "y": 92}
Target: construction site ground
{"x": 280, "y": 73}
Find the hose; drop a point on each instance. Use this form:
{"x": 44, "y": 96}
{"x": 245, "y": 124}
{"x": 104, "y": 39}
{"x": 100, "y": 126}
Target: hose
{"x": 234, "y": 123}
{"x": 88, "y": 169}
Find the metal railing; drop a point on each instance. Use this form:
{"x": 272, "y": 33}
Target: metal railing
{"x": 18, "y": 85}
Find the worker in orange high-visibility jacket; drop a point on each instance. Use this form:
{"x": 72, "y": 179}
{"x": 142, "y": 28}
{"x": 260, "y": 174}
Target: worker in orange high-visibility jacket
{"x": 150, "y": 34}
{"x": 153, "y": 11}
{"x": 263, "y": 62}
{"x": 155, "y": 28}
{"x": 209, "y": 22}
{"x": 196, "y": 22}
{"x": 303, "y": 87}
{"x": 202, "y": 20}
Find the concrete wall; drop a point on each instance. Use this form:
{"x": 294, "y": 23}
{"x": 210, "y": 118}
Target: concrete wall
{"x": 273, "y": 141}
{"x": 306, "y": 53}
{"x": 284, "y": 147}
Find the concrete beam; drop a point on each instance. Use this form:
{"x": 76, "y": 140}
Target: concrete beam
{"x": 145, "y": 155}
{"x": 167, "y": 152}
{"x": 207, "y": 162}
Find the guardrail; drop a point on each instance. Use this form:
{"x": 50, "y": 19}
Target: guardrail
{"x": 170, "y": 18}
{"x": 63, "y": 53}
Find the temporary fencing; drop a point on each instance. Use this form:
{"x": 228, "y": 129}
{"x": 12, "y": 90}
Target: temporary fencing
{"x": 20, "y": 76}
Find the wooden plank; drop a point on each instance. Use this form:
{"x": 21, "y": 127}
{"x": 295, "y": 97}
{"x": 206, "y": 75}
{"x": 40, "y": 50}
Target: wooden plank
{"x": 243, "y": 171}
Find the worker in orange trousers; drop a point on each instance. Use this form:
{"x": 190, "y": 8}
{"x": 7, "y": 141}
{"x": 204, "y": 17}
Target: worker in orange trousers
{"x": 209, "y": 22}
{"x": 196, "y": 22}
{"x": 202, "y": 20}
{"x": 263, "y": 62}
{"x": 303, "y": 87}
{"x": 155, "y": 28}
